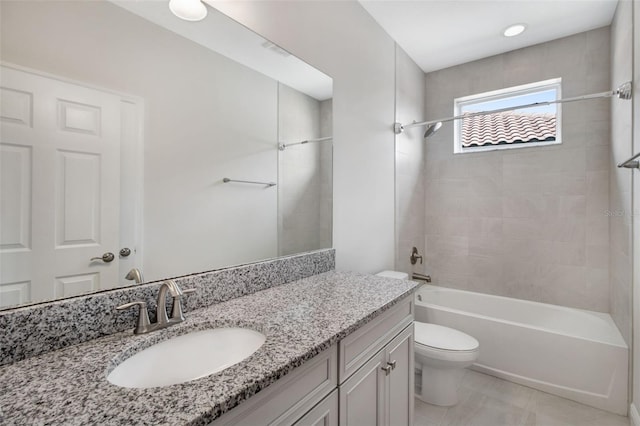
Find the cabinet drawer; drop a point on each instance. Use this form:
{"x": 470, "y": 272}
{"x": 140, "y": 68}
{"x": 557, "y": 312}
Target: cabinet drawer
{"x": 286, "y": 400}
{"x": 362, "y": 344}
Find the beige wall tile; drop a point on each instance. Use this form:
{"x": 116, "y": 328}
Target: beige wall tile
{"x": 486, "y": 246}
{"x": 598, "y": 256}
{"x": 522, "y": 228}
{"x": 484, "y": 206}
{"x": 485, "y": 227}
{"x": 528, "y": 222}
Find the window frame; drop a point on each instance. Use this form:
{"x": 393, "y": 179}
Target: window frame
{"x": 524, "y": 89}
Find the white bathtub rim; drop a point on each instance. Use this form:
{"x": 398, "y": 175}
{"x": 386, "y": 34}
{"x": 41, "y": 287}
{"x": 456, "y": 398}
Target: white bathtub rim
{"x": 617, "y": 341}
{"x": 602, "y": 315}
{"x": 620, "y": 344}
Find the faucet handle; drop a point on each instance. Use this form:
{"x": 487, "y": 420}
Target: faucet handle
{"x": 415, "y": 256}
{"x": 143, "y": 316}
{"x": 189, "y": 290}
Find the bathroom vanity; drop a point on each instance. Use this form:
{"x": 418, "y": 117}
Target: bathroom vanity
{"x": 366, "y": 378}
{"x": 338, "y": 347}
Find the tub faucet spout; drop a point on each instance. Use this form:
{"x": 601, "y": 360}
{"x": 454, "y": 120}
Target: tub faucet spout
{"x": 421, "y": 277}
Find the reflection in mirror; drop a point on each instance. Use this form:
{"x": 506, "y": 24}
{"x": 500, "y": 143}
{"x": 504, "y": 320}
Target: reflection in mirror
{"x": 119, "y": 123}
{"x": 304, "y": 172}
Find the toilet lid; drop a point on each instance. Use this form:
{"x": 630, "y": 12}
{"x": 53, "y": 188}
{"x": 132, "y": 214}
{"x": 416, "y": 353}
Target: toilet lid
{"x": 440, "y": 337}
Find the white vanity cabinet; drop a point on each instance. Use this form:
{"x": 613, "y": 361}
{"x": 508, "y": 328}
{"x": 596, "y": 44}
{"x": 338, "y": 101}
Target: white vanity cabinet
{"x": 290, "y": 398}
{"x": 366, "y": 379}
{"x": 380, "y": 392}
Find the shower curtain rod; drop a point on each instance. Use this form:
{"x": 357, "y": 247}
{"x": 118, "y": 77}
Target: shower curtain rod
{"x": 623, "y": 92}
{"x": 631, "y": 163}
{"x": 282, "y": 146}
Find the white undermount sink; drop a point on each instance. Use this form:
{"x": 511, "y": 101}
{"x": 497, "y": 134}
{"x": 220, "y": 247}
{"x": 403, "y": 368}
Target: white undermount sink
{"x": 187, "y": 357}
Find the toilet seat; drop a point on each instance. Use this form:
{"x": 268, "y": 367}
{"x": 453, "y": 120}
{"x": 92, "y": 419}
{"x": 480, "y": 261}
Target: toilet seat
{"x": 452, "y": 357}
{"x": 439, "y": 339}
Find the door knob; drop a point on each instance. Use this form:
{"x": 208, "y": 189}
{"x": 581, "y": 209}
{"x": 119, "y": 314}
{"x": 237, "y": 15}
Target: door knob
{"x": 106, "y": 258}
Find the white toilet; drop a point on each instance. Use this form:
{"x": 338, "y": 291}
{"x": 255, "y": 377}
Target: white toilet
{"x": 441, "y": 354}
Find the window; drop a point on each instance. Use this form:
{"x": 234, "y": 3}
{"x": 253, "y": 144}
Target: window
{"x": 525, "y": 127}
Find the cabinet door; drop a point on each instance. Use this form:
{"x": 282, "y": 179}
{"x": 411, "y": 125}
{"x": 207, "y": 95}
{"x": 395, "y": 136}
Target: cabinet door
{"x": 323, "y": 414}
{"x": 362, "y": 396}
{"x": 287, "y": 400}
{"x": 400, "y": 380}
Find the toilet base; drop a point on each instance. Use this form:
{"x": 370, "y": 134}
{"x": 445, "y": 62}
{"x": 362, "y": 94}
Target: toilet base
{"x": 440, "y": 385}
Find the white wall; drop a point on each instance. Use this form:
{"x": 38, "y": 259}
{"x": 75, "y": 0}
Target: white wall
{"x": 620, "y": 187}
{"x": 410, "y": 106}
{"x": 300, "y": 174}
{"x": 206, "y": 117}
{"x": 326, "y": 174}
{"x": 635, "y": 292}
{"x": 342, "y": 40}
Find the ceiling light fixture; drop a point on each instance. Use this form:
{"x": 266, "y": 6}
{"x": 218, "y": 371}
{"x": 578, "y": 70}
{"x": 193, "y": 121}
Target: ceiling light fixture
{"x": 514, "y": 30}
{"x": 189, "y": 10}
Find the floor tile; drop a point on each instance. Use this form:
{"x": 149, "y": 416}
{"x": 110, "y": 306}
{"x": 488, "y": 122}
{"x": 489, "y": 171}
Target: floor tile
{"x": 427, "y": 414}
{"x": 551, "y": 410}
{"x": 489, "y": 401}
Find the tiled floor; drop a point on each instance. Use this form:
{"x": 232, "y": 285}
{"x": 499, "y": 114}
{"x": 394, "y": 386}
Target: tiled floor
{"x": 488, "y": 401}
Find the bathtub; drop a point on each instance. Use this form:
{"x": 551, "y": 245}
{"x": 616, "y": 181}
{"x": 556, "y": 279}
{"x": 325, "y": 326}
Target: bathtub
{"x": 573, "y": 353}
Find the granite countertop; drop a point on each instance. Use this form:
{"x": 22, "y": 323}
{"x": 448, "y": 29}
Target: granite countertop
{"x": 300, "y": 319}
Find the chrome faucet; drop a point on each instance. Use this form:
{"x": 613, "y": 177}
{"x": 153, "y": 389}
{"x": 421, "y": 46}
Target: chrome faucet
{"x": 162, "y": 320}
{"x": 135, "y": 275}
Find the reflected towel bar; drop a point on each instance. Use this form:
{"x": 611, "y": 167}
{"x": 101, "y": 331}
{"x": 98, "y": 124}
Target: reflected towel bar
{"x": 631, "y": 163}
{"x": 269, "y": 184}
{"x": 282, "y": 146}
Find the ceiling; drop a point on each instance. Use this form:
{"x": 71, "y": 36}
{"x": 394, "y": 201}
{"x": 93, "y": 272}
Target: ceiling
{"x": 438, "y": 34}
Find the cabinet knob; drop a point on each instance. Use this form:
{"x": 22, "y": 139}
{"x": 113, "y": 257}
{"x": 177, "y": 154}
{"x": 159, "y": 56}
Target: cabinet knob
{"x": 387, "y": 369}
{"x": 392, "y": 364}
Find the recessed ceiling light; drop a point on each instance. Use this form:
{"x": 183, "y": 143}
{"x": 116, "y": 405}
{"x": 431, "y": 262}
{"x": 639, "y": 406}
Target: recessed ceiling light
{"x": 189, "y": 10}
{"x": 514, "y": 30}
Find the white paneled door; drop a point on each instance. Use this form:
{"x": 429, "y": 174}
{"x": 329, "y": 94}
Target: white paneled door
{"x": 60, "y": 188}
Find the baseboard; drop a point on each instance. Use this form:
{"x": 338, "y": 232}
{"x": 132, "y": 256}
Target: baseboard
{"x": 634, "y": 416}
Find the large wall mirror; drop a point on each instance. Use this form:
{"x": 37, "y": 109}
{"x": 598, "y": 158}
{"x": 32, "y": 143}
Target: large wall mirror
{"x": 119, "y": 125}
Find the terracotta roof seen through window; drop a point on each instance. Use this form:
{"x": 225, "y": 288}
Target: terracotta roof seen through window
{"x": 508, "y": 128}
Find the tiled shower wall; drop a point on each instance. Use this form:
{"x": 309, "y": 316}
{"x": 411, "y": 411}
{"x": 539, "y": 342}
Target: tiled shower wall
{"x": 620, "y": 179}
{"x": 529, "y": 223}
